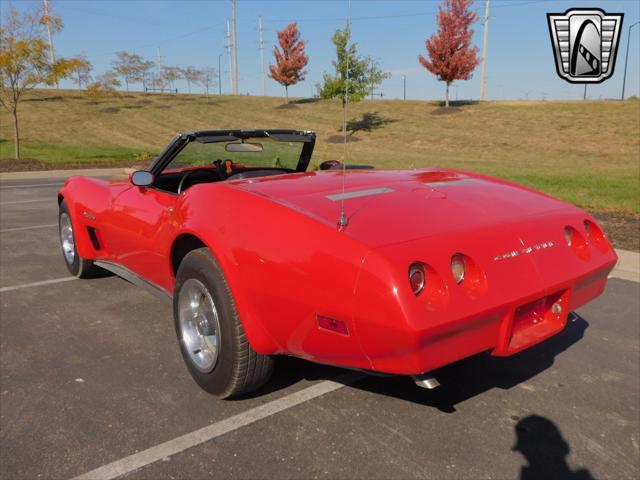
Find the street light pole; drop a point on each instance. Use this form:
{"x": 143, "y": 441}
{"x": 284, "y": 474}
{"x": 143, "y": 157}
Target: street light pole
{"x": 624, "y": 78}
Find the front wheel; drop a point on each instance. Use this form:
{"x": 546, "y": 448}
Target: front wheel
{"x": 212, "y": 340}
{"x": 77, "y": 265}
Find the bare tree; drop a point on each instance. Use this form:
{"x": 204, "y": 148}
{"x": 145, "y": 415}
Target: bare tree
{"x": 170, "y": 75}
{"x": 130, "y": 66}
{"x": 145, "y": 72}
{"x": 191, "y": 75}
{"x": 208, "y": 79}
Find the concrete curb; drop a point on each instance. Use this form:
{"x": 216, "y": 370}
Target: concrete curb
{"x": 47, "y": 174}
{"x": 628, "y": 266}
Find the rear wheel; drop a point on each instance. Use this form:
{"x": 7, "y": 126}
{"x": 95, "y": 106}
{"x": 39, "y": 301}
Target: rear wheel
{"x": 77, "y": 265}
{"x": 212, "y": 340}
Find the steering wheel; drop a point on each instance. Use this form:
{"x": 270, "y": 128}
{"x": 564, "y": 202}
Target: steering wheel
{"x": 191, "y": 172}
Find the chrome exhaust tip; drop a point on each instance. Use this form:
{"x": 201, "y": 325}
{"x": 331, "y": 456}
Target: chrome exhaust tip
{"x": 426, "y": 380}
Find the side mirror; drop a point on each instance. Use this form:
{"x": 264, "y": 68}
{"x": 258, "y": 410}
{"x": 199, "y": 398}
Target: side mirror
{"x": 329, "y": 164}
{"x": 141, "y": 178}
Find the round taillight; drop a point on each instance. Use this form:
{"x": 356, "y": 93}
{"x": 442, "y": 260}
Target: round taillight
{"x": 458, "y": 268}
{"x": 568, "y": 235}
{"x": 577, "y": 242}
{"x": 596, "y": 236}
{"x": 417, "y": 278}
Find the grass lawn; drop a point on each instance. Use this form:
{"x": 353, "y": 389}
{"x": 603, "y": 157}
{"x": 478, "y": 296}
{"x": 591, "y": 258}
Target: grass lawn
{"x": 585, "y": 152}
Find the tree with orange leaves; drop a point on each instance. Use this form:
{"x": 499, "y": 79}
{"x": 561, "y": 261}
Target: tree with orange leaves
{"x": 451, "y": 55}
{"x": 291, "y": 60}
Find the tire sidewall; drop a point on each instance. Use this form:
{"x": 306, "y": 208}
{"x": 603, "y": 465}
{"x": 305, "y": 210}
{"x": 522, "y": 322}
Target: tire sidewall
{"x": 201, "y": 266}
{"x": 74, "y": 268}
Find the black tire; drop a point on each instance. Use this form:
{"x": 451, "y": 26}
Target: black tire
{"x": 79, "y": 266}
{"x": 238, "y": 369}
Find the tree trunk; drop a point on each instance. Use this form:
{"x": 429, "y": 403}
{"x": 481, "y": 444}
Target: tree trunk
{"x": 286, "y": 92}
{"x": 16, "y": 135}
{"x": 446, "y": 101}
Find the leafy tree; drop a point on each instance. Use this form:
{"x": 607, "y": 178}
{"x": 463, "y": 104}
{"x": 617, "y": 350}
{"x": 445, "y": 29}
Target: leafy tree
{"x": 192, "y": 75}
{"x": 451, "y": 55}
{"x": 290, "y": 62}
{"x": 130, "y": 66}
{"x": 81, "y": 70}
{"x": 25, "y": 62}
{"x": 355, "y": 76}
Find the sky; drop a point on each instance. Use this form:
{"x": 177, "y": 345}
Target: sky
{"x": 520, "y": 62}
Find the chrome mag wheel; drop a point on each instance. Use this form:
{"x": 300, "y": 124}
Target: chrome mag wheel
{"x": 66, "y": 238}
{"x": 199, "y": 324}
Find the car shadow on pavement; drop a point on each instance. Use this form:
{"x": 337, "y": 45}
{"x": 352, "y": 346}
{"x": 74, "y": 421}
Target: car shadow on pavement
{"x": 541, "y": 443}
{"x": 458, "y": 382}
{"x": 475, "y": 375}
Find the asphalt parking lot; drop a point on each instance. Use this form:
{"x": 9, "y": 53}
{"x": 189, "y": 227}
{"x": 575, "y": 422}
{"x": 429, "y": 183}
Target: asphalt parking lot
{"x": 91, "y": 378}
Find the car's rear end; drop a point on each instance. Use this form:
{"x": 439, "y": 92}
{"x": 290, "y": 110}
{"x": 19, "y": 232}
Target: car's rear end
{"x": 457, "y": 263}
{"x": 519, "y": 283}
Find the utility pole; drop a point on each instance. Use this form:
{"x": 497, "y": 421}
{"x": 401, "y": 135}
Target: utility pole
{"x": 483, "y": 78}
{"x": 230, "y": 59}
{"x": 52, "y": 53}
{"x": 235, "y": 46}
{"x": 219, "y": 74}
{"x": 159, "y": 62}
{"x": 404, "y": 87}
{"x": 264, "y": 82}
{"x": 624, "y": 78}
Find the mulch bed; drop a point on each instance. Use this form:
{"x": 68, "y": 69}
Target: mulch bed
{"x": 286, "y": 106}
{"x": 445, "y": 110}
{"x": 622, "y": 229}
{"x": 340, "y": 139}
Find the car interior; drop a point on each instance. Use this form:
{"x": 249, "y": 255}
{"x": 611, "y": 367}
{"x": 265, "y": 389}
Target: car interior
{"x": 179, "y": 180}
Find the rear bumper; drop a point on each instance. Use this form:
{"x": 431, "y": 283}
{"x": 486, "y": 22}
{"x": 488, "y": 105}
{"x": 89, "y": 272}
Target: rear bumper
{"x": 503, "y": 331}
{"x": 428, "y": 340}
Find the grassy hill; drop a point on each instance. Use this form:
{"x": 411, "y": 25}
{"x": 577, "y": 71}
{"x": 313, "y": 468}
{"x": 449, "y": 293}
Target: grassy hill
{"x": 585, "y": 152}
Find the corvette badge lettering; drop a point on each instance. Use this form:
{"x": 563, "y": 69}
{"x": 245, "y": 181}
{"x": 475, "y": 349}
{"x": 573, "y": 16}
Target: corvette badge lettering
{"x": 524, "y": 251}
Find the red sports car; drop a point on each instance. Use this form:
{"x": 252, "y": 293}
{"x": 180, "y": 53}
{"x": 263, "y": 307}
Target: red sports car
{"x": 399, "y": 272}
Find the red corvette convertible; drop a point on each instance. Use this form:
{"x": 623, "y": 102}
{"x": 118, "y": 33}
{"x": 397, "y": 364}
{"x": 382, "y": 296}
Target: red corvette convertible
{"x": 398, "y": 272}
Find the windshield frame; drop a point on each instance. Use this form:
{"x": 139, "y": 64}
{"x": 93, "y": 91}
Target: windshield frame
{"x": 308, "y": 138}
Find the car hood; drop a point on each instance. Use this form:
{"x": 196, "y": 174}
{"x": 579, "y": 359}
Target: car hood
{"x": 385, "y": 207}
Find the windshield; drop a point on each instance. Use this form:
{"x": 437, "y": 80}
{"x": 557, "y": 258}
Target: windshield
{"x": 252, "y": 152}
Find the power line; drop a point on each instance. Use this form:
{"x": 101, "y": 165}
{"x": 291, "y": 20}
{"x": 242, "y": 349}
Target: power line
{"x": 264, "y": 82}
{"x": 401, "y": 15}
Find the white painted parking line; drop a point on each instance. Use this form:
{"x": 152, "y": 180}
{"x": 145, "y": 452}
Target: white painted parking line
{"x": 146, "y": 457}
{"x": 33, "y": 227}
{"x": 52, "y": 200}
{"x": 37, "y": 284}
{"x": 31, "y": 185}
